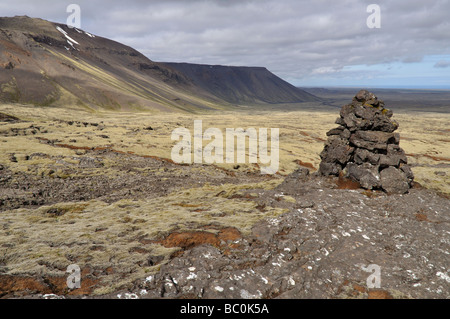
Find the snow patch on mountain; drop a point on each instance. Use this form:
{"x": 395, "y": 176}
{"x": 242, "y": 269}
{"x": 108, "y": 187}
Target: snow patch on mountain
{"x": 67, "y": 36}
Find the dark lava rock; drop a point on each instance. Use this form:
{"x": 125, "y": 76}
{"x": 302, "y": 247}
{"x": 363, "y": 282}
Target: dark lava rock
{"x": 394, "y": 180}
{"x": 8, "y": 118}
{"x": 291, "y": 182}
{"x": 89, "y": 162}
{"x": 337, "y": 150}
{"x": 366, "y": 173}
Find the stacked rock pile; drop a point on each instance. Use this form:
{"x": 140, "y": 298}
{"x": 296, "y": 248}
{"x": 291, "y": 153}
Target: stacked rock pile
{"x": 365, "y": 148}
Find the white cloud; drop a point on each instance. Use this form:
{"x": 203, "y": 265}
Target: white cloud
{"x": 325, "y": 70}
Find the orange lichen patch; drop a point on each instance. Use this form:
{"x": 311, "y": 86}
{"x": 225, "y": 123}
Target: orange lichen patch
{"x": 435, "y": 158}
{"x": 416, "y": 185}
{"x": 379, "y": 294}
{"x": 404, "y": 138}
{"x": 318, "y": 139}
{"x": 58, "y": 286}
{"x": 304, "y": 133}
{"x": 422, "y": 217}
{"x": 23, "y": 285}
{"x": 346, "y": 183}
{"x": 186, "y": 205}
{"x": 191, "y": 239}
{"x": 229, "y": 234}
{"x": 187, "y": 240}
{"x": 359, "y": 288}
{"x": 304, "y": 164}
{"x": 73, "y": 147}
{"x": 355, "y": 290}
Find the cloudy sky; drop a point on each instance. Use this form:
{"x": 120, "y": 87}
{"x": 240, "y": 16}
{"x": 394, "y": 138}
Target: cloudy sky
{"x": 308, "y": 43}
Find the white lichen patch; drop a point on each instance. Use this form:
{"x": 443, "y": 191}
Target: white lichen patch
{"x": 443, "y": 276}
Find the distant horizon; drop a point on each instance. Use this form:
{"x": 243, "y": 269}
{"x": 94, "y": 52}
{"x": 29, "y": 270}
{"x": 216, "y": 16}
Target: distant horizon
{"x": 376, "y": 87}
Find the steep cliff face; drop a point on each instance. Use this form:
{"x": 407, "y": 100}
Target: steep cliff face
{"x": 243, "y": 84}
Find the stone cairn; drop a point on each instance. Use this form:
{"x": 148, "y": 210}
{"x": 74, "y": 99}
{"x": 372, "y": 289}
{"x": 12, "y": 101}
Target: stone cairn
{"x": 365, "y": 148}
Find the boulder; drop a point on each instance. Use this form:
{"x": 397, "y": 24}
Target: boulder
{"x": 366, "y": 174}
{"x": 384, "y": 123}
{"x": 362, "y": 156}
{"x": 372, "y": 140}
{"x": 336, "y": 150}
{"x": 394, "y": 181}
{"x": 329, "y": 168}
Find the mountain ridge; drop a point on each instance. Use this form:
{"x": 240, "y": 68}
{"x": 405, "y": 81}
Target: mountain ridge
{"x": 257, "y": 84}
{"x": 50, "y": 64}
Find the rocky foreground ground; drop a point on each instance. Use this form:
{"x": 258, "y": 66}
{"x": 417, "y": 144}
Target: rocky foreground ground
{"x": 326, "y": 246}
{"x": 321, "y": 248}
